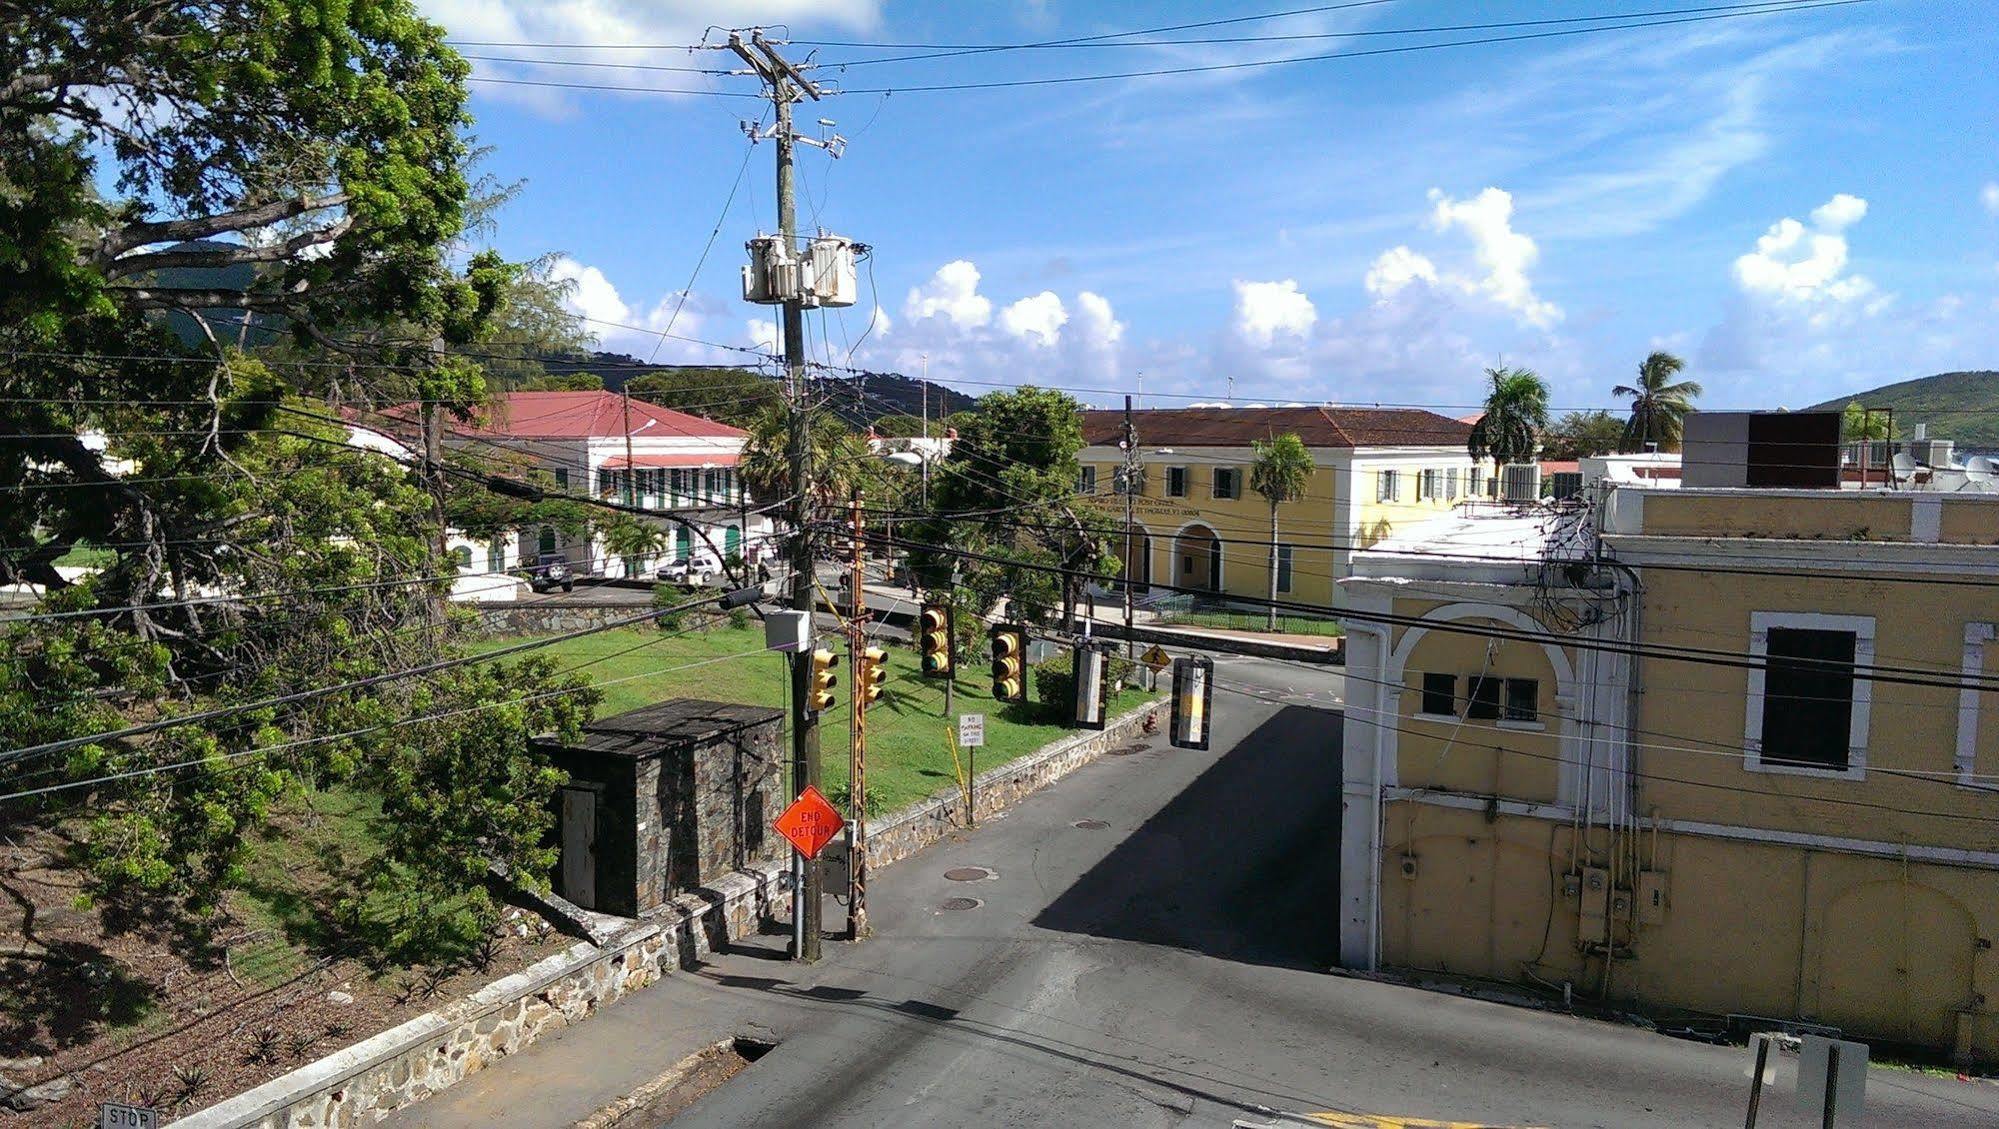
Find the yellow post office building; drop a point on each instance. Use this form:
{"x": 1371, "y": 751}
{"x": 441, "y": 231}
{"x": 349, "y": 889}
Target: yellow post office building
{"x": 1198, "y": 525}
{"x": 1721, "y": 751}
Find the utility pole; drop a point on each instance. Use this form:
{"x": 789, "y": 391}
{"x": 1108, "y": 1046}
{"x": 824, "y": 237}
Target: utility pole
{"x": 631, "y": 489}
{"x": 1131, "y": 482}
{"x": 785, "y": 83}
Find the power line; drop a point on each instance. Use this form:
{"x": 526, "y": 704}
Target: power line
{"x": 223, "y": 713}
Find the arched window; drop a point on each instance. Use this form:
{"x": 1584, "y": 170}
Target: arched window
{"x": 461, "y": 558}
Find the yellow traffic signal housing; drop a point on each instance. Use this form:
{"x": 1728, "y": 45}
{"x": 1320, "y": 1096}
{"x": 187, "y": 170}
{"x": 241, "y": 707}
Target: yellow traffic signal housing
{"x": 933, "y": 640}
{"x": 1009, "y": 642}
{"x": 820, "y": 694}
{"x": 874, "y": 673}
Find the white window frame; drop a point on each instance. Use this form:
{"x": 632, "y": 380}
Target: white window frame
{"x": 1862, "y": 627}
{"x": 1235, "y": 483}
{"x": 1387, "y": 485}
{"x": 1977, "y": 638}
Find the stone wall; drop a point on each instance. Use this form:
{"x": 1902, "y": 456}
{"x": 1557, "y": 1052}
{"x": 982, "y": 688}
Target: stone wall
{"x": 505, "y": 621}
{"x": 910, "y": 830}
{"x": 364, "y": 1083}
{"x": 403, "y": 1065}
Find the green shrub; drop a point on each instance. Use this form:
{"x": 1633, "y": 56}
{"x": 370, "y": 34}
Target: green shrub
{"x": 739, "y": 618}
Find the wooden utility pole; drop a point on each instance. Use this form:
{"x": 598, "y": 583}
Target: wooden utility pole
{"x": 784, "y": 84}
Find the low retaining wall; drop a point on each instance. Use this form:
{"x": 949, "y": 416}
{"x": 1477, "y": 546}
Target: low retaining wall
{"x": 915, "y": 827}
{"x": 406, "y": 1064}
{"x": 401, "y": 1066}
{"x": 504, "y": 621}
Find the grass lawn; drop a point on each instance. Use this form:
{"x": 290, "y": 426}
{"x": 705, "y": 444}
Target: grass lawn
{"x": 910, "y": 753}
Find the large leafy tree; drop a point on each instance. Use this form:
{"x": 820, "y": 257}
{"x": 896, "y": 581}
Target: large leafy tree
{"x": 1516, "y": 413}
{"x": 1578, "y": 434}
{"x": 1659, "y": 403}
{"x": 1280, "y": 470}
{"x": 171, "y": 172}
{"x": 1007, "y": 491}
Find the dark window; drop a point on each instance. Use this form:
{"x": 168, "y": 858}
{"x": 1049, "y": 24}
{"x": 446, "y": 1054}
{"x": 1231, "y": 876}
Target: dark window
{"x": 1086, "y": 480}
{"x": 1226, "y": 485}
{"x": 562, "y": 477}
{"x": 1176, "y": 482}
{"x": 1523, "y": 699}
{"x": 1283, "y": 568}
{"x": 1808, "y": 697}
{"x": 1440, "y": 694}
{"x": 1484, "y": 695}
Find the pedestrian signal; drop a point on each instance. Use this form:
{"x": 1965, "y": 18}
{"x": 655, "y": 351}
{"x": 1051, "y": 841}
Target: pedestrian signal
{"x": 1009, "y": 642}
{"x": 933, "y": 640}
{"x": 1193, "y": 702}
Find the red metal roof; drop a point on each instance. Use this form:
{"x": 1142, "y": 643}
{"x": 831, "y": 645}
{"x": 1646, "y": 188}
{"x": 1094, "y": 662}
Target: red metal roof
{"x": 579, "y": 415}
{"x": 1317, "y": 426}
{"x": 619, "y": 462}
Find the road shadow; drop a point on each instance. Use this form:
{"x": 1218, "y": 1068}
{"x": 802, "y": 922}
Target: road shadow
{"x": 1243, "y": 864}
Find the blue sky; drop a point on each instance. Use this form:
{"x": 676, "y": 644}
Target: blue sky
{"x": 1800, "y": 204}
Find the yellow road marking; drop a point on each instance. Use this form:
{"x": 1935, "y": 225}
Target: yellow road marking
{"x": 1339, "y": 1120}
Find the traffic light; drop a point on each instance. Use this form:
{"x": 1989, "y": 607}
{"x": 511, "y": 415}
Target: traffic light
{"x": 1193, "y": 702}
{"x": 820, "y": 694}
{"x": 874, "y": 672}
{"x": 933, "y": 640}
{"x": 1088, "y": 711}
{"x": 1009, "y": 642}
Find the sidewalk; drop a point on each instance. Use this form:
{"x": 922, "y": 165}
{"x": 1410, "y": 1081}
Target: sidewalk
{"x": 577, "y": 1071}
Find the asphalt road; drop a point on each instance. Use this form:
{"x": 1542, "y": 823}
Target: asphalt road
{"x": 1168, "y": 968}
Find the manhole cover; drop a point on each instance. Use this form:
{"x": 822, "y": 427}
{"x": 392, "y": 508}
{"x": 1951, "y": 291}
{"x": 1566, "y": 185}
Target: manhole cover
{"x": 969, "y": 874}
{"x": 1127, "y": 750}
{"x": 1090, "y": 824}
{"x": 960, "y": 903}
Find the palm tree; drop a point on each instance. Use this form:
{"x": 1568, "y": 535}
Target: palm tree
{"x": 1516, "y": 413}
{"x": 1280, "y": 472}
{"x": 839, "y": 457}
{"x": 1659, "y": 405}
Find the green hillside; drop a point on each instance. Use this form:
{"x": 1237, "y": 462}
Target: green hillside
{"x": 1960, "y": 406}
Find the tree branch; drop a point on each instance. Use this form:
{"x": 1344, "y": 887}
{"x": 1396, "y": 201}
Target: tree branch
{"x": 116, "y": 243}
{"x": 148, "y": 298}
{"x": 229, "y": 256}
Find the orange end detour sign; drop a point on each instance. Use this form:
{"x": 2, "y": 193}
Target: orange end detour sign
{"x": 810, "y": 823}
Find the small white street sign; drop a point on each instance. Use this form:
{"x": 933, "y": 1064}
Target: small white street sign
{"x": 971, "y": 730}
{"x": 111, "y": 1115}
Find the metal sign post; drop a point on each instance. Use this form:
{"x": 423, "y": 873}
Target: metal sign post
{"x": 971, "y": 737}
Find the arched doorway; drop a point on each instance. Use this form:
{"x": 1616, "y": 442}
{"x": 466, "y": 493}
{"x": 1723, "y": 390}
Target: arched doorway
{"x": 1197, "y": 558}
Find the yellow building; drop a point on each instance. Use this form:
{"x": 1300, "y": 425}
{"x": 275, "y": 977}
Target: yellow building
{"x": 1782, "y": 802}
{"x": 1198, "y": 525}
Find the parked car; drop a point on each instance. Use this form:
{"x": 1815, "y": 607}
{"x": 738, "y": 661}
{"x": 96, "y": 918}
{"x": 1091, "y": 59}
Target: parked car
{"x": 551, "y": 572}
{"x": 692, "y": 570}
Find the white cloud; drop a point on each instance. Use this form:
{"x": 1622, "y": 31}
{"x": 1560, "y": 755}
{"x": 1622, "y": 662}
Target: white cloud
{"x": 1040, "y": 317}
{"x": 952, "y": 293}
{"x": 590, "y": 295}
{"x": 1989, "y": 196}
{"x": 1504, "y": 253}
{"x": 1395, "y": 268}
{"x": 1796, "y": 263}
{"x": 1097, "y": 325}
{"x": 762, "y": 334}
{"x": 1266, "y": 310}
